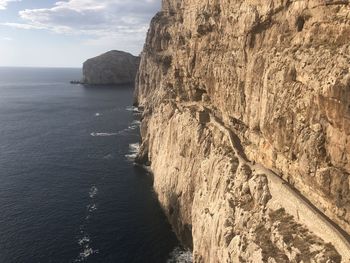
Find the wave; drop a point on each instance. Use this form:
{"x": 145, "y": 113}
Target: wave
{"x": 133, "y": 109}
{"x": 93, "y": 192}
{"x": 108, "y": 157}
{"x": 86, "y": 250}
{"x": 134, "y": 125}
{"x": 178, "y": 255}
{"x": 133, "y": 151}
{"x": 103, "y": 134}
{"x": 84, "y": 240}
{"x": 91, "y": 208}
{"x": 136, "y": 122}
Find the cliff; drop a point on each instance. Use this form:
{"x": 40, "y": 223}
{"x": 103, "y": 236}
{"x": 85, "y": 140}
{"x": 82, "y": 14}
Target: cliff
{"x": 111, "y": 68}
{"x": 246, "y": 127}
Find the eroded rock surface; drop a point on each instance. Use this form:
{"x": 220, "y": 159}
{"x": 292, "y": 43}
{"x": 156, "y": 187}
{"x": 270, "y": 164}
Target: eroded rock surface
{"x": 246, "y": 125}
{"x": 111, "y": 68}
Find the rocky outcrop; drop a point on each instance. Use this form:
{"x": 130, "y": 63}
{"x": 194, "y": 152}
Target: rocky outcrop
{"x": 112, "y": 68}
{"x": 246, "y": 126}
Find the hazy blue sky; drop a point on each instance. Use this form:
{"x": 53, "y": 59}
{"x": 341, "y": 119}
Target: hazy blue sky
{"x": 65, "y": 33}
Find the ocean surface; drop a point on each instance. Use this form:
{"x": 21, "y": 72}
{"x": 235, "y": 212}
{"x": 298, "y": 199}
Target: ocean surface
{"x": 69, "y": 191}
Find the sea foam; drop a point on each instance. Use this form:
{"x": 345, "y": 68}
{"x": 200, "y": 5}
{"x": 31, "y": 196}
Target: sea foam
{"x": 179, "y": 255}
{"x": 102, "y": 134}
{"x": 133, "y": 109}
{"x": 93, "y": 191}
{"x": 133, "y": 151}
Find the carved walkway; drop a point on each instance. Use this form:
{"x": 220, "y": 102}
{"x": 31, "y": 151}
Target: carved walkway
{"x": 284, "y": 196}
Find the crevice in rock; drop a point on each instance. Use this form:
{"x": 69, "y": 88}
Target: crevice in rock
{"x": 300, "y": 23}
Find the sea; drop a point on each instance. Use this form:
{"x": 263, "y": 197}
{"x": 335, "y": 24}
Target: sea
{"x": 69, "y": 188}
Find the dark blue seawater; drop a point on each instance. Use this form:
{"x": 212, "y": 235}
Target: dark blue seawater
{"x": 69, "y": 191}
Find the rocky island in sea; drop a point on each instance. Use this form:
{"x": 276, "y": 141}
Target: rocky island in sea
{"x": 111, "y": 68}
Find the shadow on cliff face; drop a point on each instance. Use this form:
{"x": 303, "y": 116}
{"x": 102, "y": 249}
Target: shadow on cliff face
{"x": 172, "y": 211}
{"x": 183, "y": 231}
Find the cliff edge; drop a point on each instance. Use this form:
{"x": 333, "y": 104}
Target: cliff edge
{"x": 111, "y": 68}
{"x": 246, "y": 126}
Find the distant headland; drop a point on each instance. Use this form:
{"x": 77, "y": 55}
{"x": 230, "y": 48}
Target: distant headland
{"x": 111, "y": 68}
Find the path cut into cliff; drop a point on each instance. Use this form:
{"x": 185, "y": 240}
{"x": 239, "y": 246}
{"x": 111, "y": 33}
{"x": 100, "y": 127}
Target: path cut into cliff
{"x": 246, "y": 127}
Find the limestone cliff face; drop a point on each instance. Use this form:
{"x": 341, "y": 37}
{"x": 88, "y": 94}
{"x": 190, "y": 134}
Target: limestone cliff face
{"x": 113, "y": 67}
{"x": 246, "y": 126}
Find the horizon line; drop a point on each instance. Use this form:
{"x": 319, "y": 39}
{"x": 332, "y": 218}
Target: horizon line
{"x": 67, "y": 67}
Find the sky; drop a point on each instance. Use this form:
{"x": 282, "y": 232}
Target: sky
{"x": 51, "y": 33}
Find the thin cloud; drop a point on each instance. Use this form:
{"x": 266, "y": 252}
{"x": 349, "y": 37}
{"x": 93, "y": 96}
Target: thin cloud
{"x": 89, "y": 16}
{"x": 101, "y": 22}
{"x": 23, "y": 26}
{"x": 4, "y": 3}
